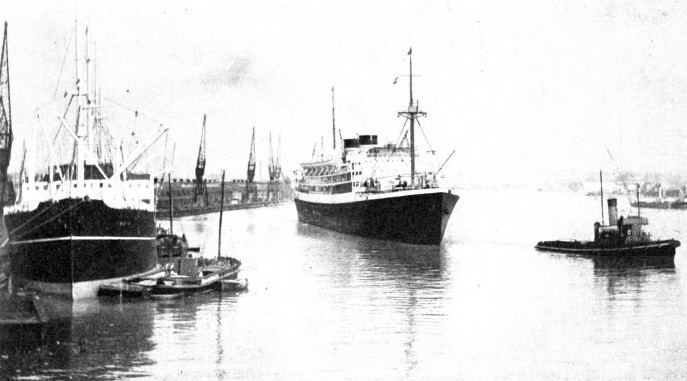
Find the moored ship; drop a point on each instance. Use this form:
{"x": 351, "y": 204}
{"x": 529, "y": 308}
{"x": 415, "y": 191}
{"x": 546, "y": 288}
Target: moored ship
{"x": 86, "y": 213}
{"x": 370, "y": 190}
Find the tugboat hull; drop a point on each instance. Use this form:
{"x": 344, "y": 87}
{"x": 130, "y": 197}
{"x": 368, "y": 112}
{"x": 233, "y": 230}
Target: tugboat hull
{"x": 415, "y": 218}
{"x": 656, "y": 249}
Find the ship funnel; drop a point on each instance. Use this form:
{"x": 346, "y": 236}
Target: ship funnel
{"x": 612, "y": 211}
{"x": 597, "y": 233}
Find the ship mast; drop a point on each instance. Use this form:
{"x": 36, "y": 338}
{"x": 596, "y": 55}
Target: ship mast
{"x": 5, "y": 117}
{"x": 270, "y": 163}
{"x": 80, "y": 130}
{"x": 333, "y": 123}
{"x": 412, "y": 114}
{"x": 221, "y": 212}
{"x": 601, "y": 181}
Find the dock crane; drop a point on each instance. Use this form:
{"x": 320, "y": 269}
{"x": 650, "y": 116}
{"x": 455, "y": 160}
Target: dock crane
{"x": 274, "y": 168}
{"x": 201, "y": 187}
{"x": 250, "y": 192}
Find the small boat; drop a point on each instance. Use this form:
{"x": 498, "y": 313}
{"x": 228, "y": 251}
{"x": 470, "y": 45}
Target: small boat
{"x": 183, "y": 276}
{"x": 622, "y": 237}
{"x": 195, "y": 275}
{"x": 230, "y": 285}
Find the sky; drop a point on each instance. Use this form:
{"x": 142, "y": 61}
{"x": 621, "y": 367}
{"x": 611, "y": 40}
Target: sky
{"x": 523, "y": 91}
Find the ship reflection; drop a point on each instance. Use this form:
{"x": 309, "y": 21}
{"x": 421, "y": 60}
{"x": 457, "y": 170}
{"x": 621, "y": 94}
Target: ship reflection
{"x": 382, "y": 255}
{"x": 629, "y": 278}
{"x": 633, "y": 264}
{"x": 85, "y": 339}
{"x": 413, "y": 277}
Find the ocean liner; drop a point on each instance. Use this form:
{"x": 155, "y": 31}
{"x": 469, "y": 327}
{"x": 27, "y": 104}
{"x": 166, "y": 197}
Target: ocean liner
{"x": 86, "y": 213}
{"x": 370, "y": 191}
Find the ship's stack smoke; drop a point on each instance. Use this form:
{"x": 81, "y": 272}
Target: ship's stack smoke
{"x": 612, "y": 211}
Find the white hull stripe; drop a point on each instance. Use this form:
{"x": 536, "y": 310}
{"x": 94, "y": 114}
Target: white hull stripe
{"x": 82, "y": 238}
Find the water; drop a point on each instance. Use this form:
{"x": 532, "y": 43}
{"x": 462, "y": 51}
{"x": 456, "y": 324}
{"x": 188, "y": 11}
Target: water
{"x": 321, "y": 305}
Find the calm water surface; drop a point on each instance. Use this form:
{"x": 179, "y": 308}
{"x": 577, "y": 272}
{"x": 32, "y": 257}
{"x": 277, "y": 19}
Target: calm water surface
{"x": 322, "y": 305}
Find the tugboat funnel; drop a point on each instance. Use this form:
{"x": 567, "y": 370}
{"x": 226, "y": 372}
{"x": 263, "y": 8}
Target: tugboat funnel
{"x": 612, "y": 211}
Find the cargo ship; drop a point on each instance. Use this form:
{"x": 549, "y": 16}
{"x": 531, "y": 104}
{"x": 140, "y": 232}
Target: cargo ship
{"x": 85, "y": 211}
{"x": 374, "y": 190}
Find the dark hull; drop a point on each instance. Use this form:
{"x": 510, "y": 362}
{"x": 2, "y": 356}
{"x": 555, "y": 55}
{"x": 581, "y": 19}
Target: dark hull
{"x": 58, "y": 246}
{"x": 653, "y": 249}
{"x": 419, "y": 218}
{"x": 656, "y": 205}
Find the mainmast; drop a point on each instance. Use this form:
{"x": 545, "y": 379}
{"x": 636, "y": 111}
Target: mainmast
{"x": 412, "y": 114}
{"x": 5, "y": 118}
{"x": 277, "y": 162}
{"x": 601, "y": 181}
{"x": 270, "y": 162}
{"x": 80, "y": 130}
{"x": 5, "y": 111}
{"x": 333, "y": 123}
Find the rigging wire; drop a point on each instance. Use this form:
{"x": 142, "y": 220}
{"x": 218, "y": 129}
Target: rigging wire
{"x": 425, "y": 136}
{"x": 135, "y": 111}
{"x": 398, "y": 140}
{"x": 64, "y": 60}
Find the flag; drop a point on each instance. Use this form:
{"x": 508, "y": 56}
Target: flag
{"x": 410, "y": 51}
{"x": 395, "y": 80}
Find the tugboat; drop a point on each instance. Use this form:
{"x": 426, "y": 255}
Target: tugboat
{"x": 375, "y": 190}
{"x": 622, "y": 238}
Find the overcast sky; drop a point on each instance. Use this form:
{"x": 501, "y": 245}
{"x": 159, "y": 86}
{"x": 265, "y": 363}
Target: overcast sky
{"x": 526, "y": 89}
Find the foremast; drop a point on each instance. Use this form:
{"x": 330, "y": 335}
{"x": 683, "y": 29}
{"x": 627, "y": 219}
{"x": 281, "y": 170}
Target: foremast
{"x": 68, "y": 179}
{"x": 412, "y": 113}
{"x": 5, "y": 116}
